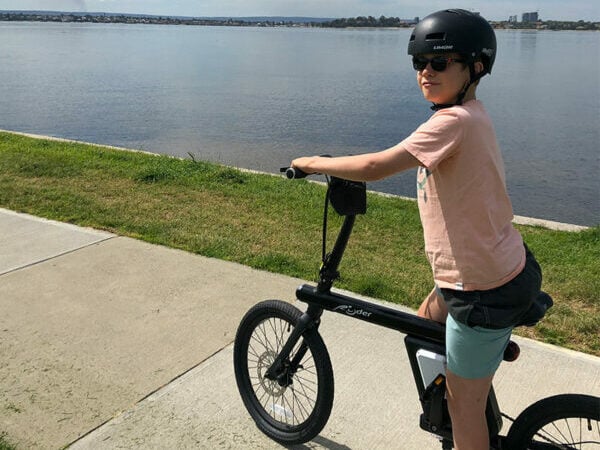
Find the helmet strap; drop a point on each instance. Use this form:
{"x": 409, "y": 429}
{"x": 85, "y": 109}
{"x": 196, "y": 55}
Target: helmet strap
{"x": 459, "y": 99}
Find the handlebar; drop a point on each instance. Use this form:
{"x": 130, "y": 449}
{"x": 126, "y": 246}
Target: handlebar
{"x": 293, "y": 173}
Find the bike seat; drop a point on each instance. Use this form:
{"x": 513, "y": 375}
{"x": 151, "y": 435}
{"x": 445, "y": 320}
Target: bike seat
{"x": 538, "y": 309}
{"x": 511, "y": 352}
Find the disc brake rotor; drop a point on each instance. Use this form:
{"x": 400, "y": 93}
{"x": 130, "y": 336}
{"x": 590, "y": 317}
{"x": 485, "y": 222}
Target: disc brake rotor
{"x": 270, "y": 386}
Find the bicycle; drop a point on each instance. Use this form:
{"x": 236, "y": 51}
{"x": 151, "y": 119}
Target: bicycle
{"x": 285, "y": 378}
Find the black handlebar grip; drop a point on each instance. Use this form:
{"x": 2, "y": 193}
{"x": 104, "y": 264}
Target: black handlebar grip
{"x": 293, "y": 172}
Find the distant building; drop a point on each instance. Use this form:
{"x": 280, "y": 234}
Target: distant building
{"x": 530, "y": 17}
{"x": 513, "y": 19}
{"x": 409, "y": 21}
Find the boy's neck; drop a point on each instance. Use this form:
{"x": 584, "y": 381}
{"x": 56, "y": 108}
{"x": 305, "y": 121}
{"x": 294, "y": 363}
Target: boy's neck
{"x": 470, "y": 95}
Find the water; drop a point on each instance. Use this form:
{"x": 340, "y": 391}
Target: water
{"x": 257, "y": 97}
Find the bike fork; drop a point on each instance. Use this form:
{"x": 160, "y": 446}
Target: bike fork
{"x": 282, "y": 367}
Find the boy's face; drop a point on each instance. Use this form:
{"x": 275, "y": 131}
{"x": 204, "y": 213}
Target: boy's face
{"x": 443, "y": 87}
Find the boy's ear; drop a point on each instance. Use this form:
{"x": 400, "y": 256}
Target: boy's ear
{"x": 478, "y": 67}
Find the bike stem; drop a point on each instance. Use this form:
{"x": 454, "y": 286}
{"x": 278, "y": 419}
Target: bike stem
{"x": 329, "y": 270}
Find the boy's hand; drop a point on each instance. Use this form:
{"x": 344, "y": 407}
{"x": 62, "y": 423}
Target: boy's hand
{"x": 304, "y": 164}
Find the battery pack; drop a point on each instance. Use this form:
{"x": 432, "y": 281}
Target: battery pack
{"x": 430, "y": 365}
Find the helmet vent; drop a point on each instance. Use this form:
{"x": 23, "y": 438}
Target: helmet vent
{"x": 435, "y": 37}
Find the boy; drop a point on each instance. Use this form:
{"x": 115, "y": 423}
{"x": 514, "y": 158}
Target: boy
{"x": 485, "y": 278}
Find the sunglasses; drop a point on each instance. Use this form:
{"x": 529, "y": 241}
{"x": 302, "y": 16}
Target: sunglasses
{"x": 438, "y": 63}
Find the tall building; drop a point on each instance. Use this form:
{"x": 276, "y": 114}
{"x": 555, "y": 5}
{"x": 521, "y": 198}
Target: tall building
{"x": 530, "y": 17}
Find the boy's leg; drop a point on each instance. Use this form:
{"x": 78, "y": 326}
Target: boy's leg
{"x": 467, "y": 399}
{"x": 473, "y": 356}
{"x": 433, "y": 307}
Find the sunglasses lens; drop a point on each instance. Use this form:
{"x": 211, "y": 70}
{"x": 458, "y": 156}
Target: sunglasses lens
{"x": 439, "y": 63}
{"x": 420, "y": 63}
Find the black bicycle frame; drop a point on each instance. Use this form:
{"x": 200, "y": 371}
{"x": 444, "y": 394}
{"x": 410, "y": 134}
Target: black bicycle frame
{"x": 373, "y": 313}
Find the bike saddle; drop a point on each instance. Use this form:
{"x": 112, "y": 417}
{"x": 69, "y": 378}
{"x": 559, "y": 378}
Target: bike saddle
{"x": 538, "y": 309}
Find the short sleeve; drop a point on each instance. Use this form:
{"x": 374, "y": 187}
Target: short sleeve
{"x": 437, "y": 139}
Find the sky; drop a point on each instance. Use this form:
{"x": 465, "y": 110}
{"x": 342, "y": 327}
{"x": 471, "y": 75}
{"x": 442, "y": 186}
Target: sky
{"x": 588, "y": 10}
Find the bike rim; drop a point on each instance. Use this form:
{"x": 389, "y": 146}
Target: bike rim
{"x": 289, "y": 405}
{"x": 575, "y": 433}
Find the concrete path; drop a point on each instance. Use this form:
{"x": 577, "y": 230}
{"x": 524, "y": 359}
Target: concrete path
{"x": 108, "y": 342}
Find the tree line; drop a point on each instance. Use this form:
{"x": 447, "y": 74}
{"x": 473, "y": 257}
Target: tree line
{"x": 369, "y": 22}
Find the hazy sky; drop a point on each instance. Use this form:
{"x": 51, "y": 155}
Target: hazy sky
{"x": 588, "y": 10}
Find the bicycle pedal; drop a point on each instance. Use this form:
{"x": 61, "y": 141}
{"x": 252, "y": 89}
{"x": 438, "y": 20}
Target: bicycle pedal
{"x": 512, "y": 351}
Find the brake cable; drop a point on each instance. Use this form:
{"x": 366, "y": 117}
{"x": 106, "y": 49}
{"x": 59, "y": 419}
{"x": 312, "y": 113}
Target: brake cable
{"x": 325, "y": 214}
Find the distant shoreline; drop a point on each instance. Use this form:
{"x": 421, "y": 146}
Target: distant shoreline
{"x": 351, "y": 23}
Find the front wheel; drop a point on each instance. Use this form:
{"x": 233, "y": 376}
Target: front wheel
{"x": 290, "y": 412}
{"x": 566, "y": 422}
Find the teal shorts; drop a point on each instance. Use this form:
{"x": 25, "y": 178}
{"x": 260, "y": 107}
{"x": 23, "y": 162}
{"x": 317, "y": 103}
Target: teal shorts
{"x": 474, "y": 352}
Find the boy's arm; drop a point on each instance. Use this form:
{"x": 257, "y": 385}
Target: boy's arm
{"x": 365, "y": 167}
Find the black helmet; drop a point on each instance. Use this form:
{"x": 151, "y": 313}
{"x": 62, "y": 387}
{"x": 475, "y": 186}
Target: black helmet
{"x": 455, "y": 31}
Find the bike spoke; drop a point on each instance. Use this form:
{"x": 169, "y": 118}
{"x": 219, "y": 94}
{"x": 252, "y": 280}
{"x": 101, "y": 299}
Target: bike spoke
{"x": 290, "y": 407}
{"x": 302, "y": 409}
{"x": 565, "y": 434}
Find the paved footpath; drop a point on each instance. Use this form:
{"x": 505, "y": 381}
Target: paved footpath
{"x": 108, "y": 342}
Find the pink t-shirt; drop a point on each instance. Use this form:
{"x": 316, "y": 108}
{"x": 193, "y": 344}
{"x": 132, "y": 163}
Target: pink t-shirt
{"x": 465, "y": 210}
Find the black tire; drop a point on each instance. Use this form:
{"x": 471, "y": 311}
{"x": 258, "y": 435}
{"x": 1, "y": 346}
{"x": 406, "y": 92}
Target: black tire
{"x": 289, "y": 415}
{"x": 568, "y": 421}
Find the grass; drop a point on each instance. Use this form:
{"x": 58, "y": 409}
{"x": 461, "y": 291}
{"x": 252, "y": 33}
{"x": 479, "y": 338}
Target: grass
{"x": 5, "y": 444}
{"x": 273, "y": 224}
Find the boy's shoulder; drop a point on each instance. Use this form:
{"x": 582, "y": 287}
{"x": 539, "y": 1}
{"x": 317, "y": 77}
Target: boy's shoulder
{"x": 473, "y": 110}
{"x": 460, "y": 119}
